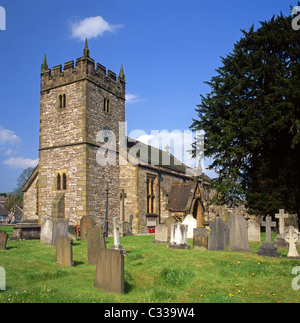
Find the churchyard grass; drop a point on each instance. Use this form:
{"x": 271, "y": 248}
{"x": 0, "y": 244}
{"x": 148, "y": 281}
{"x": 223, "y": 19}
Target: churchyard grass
{"x": 153, "y": 273}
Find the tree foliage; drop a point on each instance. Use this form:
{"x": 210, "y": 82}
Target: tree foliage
{"x": 251, "y": 120}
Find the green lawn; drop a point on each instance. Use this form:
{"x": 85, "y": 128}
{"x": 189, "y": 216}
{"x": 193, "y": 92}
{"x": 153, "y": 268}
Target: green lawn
{"x": 153, "y": 273}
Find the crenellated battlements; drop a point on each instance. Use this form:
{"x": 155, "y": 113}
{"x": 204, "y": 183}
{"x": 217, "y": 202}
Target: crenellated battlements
{"x": 84, "y": 69}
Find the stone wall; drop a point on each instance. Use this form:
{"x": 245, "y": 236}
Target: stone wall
{"x": 30, "y": 211}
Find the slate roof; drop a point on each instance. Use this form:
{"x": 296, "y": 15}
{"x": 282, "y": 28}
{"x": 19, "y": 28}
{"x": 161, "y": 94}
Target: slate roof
{"x": 180, "y": 196}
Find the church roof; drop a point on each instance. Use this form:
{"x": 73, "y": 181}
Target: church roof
{"x": 180, "y": 196}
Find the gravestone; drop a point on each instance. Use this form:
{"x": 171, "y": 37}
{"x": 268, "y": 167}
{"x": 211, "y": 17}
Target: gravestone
{"x": 178, "y": 236}
{"x": 109, "y": 275}
{"x": 86, "y": 222}
{"x": 292, "y": 237}
{"x": 116, "y": 231}
{"x": 217, "y": 235}
{"x": 161, "y": 233}
{"x": 169, "y": 221}
{"x": 191, "y": 222}
{"x": 131, "y": 222}
{"x": 280, "y": 241}
{"x": 254, "y": 231}
{"x": 200, "y": 239}
{"x": 60, "y": 229}
{"x": 2, "y": 278}
{"x": 268, "y": 249}
{"x": 64, "y": 251}
{"x": 126, "y": 229}
{"x": 238, "y": 234}
{"x": 3, "y": 240}
{"x": 95, "y": 242}
{"x": 47, "y": 232}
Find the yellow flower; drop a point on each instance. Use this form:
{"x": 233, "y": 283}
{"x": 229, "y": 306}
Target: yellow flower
{"x": 258, "y": 293}
{"x": 236, "y": 285}
{"x": 253, "y": 274}
{"x": 258, "y": 263}
{"x": 201, "y": 295}
{"x": 274, "y": 294}
{"x": 230, "y": 295}
{"x": 239, "y": 291}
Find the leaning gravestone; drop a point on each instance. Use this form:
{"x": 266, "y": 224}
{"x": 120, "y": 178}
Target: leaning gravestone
{"x": 95, "y": 242}
{"x": 179, "y": 236}
{"x": 292, "y": 237}
{"x": 109, "y": 275}
{"x": 238, "y": 234}
{"x": 268, "y": 249}
{"x": 86, "y": 223}
{"x": 217, "y": 235}
{"x": 200, "y": 239}
{"x": 64, "y": 251}
{"x": 3, "y": 240}
{"x": 191, "y": 222}
{"x": 254, "y": 231}
{"x": 161, "y": 233}
{"x": 47, "y": 232}
{"x": 61, "y": 228}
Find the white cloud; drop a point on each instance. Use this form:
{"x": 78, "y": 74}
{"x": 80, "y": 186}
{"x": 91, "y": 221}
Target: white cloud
{"x": 8, "y": 152}
{"x": 91, "y": 27}
{"x": 133, "y": 98}
{"x": 20, "y": 162}
{"x": 8, "y": 136}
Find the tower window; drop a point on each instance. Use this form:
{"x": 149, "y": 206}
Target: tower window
{"x": 64, "y": 186}
{"x": 58, "y": 182}
{"x": 61, "y": 180}
{"x": 106, "y": 107}
{"x": 62, "y": 101}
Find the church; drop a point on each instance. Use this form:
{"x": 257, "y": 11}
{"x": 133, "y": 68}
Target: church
{"x": 82, "y": 106}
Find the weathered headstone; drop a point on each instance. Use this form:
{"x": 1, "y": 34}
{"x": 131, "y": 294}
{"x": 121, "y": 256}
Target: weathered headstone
{"x": 292, "y": 237}
{"x": 169, "y": 221}
{"x": 254, "y": 231}
{"x": 268, "y": 249}
{"x": 161, "y": 233}
{"x": 126, "y": 229}
{"x": 116, "y": 231}
{"x": 64, "y": 251}
{"x": 238, "y": 234}
{"x": 191, "y": 222}
{"x": 200, "y": 239}
{"x": 2, "y": 278}
{"x": 47, "y": 232}
{"x": 3, "y": 240}
{"x": 95, "y": 242}
{"x": 281, "y": 216}
{"x": 86, "y": 223}
{"x": 178, "y": 236}
{"x": 217, "y": 235}
{"x": 60, "y": 229}
{"x": 109, "y": 275}
{"x": 280, "y": 241}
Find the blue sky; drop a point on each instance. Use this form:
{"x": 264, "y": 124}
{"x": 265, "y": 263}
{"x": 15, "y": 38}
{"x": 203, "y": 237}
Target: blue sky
{"x": 168, "y": 49}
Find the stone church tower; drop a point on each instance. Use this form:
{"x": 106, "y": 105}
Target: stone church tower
{"x": 76, "y": 103}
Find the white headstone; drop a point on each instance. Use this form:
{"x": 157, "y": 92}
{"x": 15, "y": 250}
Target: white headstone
{"x": 191, "y": 222}
{"x": 178, "y": 236}
{"x": 47, "y": 232}
{"x": 254, "y": 231}
{"x": 292, "y": 236}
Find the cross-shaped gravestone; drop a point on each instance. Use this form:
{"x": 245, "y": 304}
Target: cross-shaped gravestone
{"x": 281, "y": 216}
{"x": 292, "y": 236}
{"x": 123, "y": 196}
{"x": 268, "y": 224}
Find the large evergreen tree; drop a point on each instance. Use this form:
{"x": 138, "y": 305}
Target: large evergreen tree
{"x": 251, "y": 120}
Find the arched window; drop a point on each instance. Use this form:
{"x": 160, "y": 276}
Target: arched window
{"x": 64, "y": 181}
{"x": 58, "y": 182}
